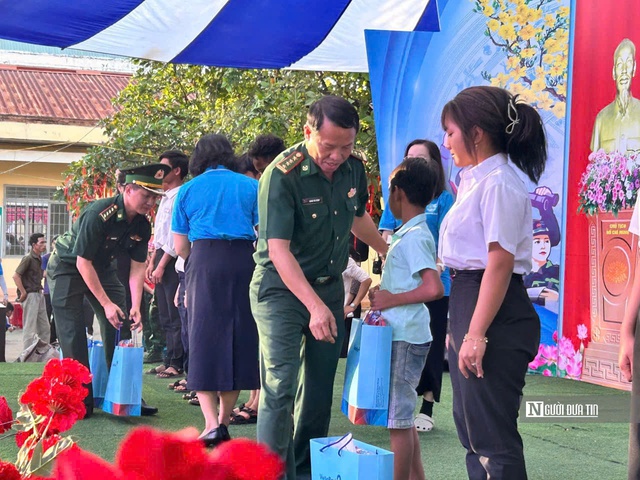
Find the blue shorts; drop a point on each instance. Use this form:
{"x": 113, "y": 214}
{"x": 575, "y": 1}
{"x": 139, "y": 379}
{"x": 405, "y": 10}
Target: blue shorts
{"x": 407, "y": 362}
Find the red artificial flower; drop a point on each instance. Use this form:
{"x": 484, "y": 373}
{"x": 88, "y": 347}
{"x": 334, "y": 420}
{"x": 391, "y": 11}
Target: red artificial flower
{"x": 147, "y": 453}
{"x": 68, "y": 372}
{"x": 8, "y": 471}
{"x": 76, "y": 464}
{"x": 264, "y": 464}
{"x": 6, "y": 416}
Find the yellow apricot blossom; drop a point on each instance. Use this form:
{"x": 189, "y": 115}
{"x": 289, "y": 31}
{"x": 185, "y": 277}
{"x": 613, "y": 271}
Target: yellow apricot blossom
{"x": 527, "y": 32}
{"x": 528, "y": 53}
{"x": 538, "y": 85}
{"x": 559, "y": 109}
{"x": 549, "y": 20}
{"x": 493, "y": 24}
{"x": 507, "y": 32}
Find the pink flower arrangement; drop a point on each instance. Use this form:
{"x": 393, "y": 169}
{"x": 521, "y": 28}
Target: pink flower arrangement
{"x": 609, "y": 183}
{"x": 562, "y": 359}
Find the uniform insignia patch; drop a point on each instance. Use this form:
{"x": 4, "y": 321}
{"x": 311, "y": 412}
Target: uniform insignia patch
{"x": 287, "y": 164}
{"x": 351, "y": 193}
{"x": 108, "y": 212}
{"x": 311, "y": 201}
{"x": 159, "y": 174}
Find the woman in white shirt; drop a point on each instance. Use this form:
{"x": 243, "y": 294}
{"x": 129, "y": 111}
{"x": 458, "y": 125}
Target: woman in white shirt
{"x": 486, "y": 241}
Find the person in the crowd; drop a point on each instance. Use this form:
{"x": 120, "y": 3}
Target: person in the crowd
{"x": 430, "y": 385}
{"x": 409, "y": 278}
{"x": 83, "y": 265}
{"x": 28, "y": 279}
{"x": 3, "y": 286}
{"x": 629, "y": 356}
{"x": 486, "y": 240}
{"x": 244, "y": 165}
{"x": 311, "y": 196}
{"x": 213, "y": 223}
{"x": 53, "y": 337}
{"x": 263, "y": 150}
{"x": 8, "y": 312}
{"x": 161, "y": 269}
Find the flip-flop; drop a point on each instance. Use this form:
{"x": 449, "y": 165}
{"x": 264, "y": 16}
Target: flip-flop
{"x": 194, "y": 401}
{"x": 165, "y": 374}
{"x": 156, "y": 370}
{"x": 181, "y": 388}
{"x": 238, "y": 409}
{"x": 176, "y": 384}
{"x": 190, "y": 395}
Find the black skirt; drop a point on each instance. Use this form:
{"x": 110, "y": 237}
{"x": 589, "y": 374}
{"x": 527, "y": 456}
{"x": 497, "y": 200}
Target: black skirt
{"x": 223, "y": 338}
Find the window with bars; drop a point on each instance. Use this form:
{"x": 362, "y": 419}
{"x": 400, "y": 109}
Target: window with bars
{"x": 29, "y": 210}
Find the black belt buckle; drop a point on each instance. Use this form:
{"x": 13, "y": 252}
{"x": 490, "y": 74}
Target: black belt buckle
{"x": 323, "y": 280}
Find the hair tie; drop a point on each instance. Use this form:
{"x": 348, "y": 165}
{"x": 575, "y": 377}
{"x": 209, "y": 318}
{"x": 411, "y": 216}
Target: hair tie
{"x": 512, "y": 113}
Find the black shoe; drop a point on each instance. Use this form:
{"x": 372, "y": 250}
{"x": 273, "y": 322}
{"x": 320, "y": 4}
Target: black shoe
{"x": 147, "y": 410}
{"x": 216, "y": 436}
{"x": 88, "y": 410}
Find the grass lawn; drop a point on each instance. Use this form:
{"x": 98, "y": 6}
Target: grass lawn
{"x": 562, "y": 451}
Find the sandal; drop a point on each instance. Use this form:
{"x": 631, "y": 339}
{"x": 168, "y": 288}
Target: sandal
{"x": 166, "y": 374}
{"x": 188, "y": 396}
{"x": 194, "y": 401}
{"x": 156, "y": 370}
{"x": 239, "y": 419}
{"x": 181, "y": 388}
{"x": 176, "y": 384}
{"x": 238, "y": 409}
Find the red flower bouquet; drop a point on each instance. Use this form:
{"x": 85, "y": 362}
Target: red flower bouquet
{"x": 50, "y": 405}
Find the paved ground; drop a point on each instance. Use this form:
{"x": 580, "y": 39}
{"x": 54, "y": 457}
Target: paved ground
{"x": 14, "y": 342}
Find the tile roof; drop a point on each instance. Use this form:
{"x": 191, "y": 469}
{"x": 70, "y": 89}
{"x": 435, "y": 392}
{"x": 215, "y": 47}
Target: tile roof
{"x": 57, "y": 96}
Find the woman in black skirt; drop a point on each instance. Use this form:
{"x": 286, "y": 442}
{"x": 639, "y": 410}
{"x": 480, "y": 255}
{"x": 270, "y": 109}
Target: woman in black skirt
{"x": 213, "y": 224}
{"x": 486, "y": 240}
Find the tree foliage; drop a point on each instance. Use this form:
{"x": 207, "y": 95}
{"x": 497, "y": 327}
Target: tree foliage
{"x": 172, "y": 106}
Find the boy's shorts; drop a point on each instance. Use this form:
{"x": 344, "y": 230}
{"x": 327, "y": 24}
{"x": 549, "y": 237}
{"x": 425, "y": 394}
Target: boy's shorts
{"x": 407, "y": 362}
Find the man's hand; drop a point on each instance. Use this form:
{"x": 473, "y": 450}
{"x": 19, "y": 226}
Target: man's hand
{"x": 323, "y": 325}
{"x": 157, "y": 274}
{"x": 348, "y": 309}
{"x": 380, "y": 299}
{"x": 113, "y": 314}
{"x": 136, "y": 319}
{"x": 625, "y": 357}
{"x": 22, "y": 296}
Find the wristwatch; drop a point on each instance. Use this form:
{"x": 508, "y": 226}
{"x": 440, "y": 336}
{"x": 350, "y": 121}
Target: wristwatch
{"x": 352, "y": 305}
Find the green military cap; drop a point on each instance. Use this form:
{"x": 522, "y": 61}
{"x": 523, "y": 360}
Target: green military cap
{"x": 148, "y": 177}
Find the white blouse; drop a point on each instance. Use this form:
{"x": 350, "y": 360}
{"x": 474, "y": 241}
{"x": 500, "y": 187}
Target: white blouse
{"x": 492, "y": 206}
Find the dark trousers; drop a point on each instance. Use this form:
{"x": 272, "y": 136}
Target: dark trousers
{"x": 52, "y": 326}
{"x": 168, "y": 314}
{"x": 184, "y": 320}
{"x": 634, "y": 427}
{"x": 485, "y": 410}
{"x": 3, "y": 334}
{"x": 431, "y": 378}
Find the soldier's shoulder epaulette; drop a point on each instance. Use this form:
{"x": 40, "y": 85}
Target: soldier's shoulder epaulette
{"x": 288, "y": 163}
{"x": 359, "y": 155}
{"x": 108, "y": 212}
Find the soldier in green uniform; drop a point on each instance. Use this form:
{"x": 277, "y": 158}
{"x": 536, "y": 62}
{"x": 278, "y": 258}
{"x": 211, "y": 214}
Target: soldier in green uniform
{"x": 83, "y": 265}
{"x": 310, "y": 197}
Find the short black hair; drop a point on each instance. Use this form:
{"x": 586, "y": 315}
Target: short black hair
{"x": 9, "y": 307}
{"x": 33, "y": 239}
{"x": 417, "y": 178}
{"x": 177, "y": 159}
{"x": 211, "y": 150}
{"x": 266, "y": 146}
{"x": 434, "y": 154}
{"x": 336, "y": 109}
{"x": 244, "y": 164}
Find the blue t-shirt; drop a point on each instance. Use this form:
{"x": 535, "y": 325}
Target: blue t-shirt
{"x": 218, "y": 204}
{"x": 435, "y": 211}
{"x": 412, "y": 250}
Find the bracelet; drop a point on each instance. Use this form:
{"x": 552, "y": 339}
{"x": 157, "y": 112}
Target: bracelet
{"x": 467, "y": 338}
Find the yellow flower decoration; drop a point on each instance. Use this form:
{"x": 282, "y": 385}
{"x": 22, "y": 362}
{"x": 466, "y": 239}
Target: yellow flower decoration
{"x": 559, "y": 109}
{"x": 527, "y": 32}
{"x": 538, "y": 85}
{"x": 528, "y": 53}
{"x": 549, "y": 20}
{"x": 493, "y": 24}
{"x": 507, "y": 32}
{"x": 563, "y": 11}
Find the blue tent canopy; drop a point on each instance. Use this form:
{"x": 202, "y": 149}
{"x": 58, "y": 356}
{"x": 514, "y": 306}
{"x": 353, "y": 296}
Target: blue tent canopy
{"x": 295, "y": 34}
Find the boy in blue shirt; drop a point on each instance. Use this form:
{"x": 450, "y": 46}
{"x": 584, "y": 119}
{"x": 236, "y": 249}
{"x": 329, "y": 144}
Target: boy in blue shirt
{"x": 409, "y": 279}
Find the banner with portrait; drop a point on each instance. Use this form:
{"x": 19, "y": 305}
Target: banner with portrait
{"x": 523, "y": 49}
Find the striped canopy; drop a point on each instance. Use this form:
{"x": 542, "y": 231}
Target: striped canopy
{"x": 295, "y": 34}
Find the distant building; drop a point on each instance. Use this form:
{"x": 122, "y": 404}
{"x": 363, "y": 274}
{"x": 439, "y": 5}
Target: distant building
{"x": 50, "y": 104}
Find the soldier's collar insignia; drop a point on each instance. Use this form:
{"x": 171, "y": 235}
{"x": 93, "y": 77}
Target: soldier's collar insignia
{"x": 305, "y": 168}
{"x": 108, "y": 212}
{"x": 351, "y": 193}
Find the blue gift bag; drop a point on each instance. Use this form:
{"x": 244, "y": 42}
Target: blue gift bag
{"x": 365, "y": 397}
{"x": 334, "y": 462}
{"x": 123, "y": 396}
{"x": 99, "y": 372}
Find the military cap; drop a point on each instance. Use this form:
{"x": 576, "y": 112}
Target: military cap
{"x": 148, "y": 177}
{"x": 539, "y": 228}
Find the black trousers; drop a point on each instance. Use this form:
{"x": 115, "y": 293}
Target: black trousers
{"x": 485, "y": 410}
{"x": 431, "y": 378}
{"x": 168, "y": 315}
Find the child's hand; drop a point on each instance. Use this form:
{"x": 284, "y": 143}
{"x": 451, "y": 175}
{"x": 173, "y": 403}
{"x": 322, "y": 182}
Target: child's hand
{"x": 381, "y": 299}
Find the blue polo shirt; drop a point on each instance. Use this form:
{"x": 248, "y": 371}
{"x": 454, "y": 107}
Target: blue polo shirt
{"x": 435, "y": 211}
{"x": 412, "y": 250}
{"x": 217, "y": 205}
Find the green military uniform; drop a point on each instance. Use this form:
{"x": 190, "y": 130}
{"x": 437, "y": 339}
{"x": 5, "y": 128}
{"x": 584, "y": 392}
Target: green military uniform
{"x": 101, "y": 231}
{"x": 297, "y": 202}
